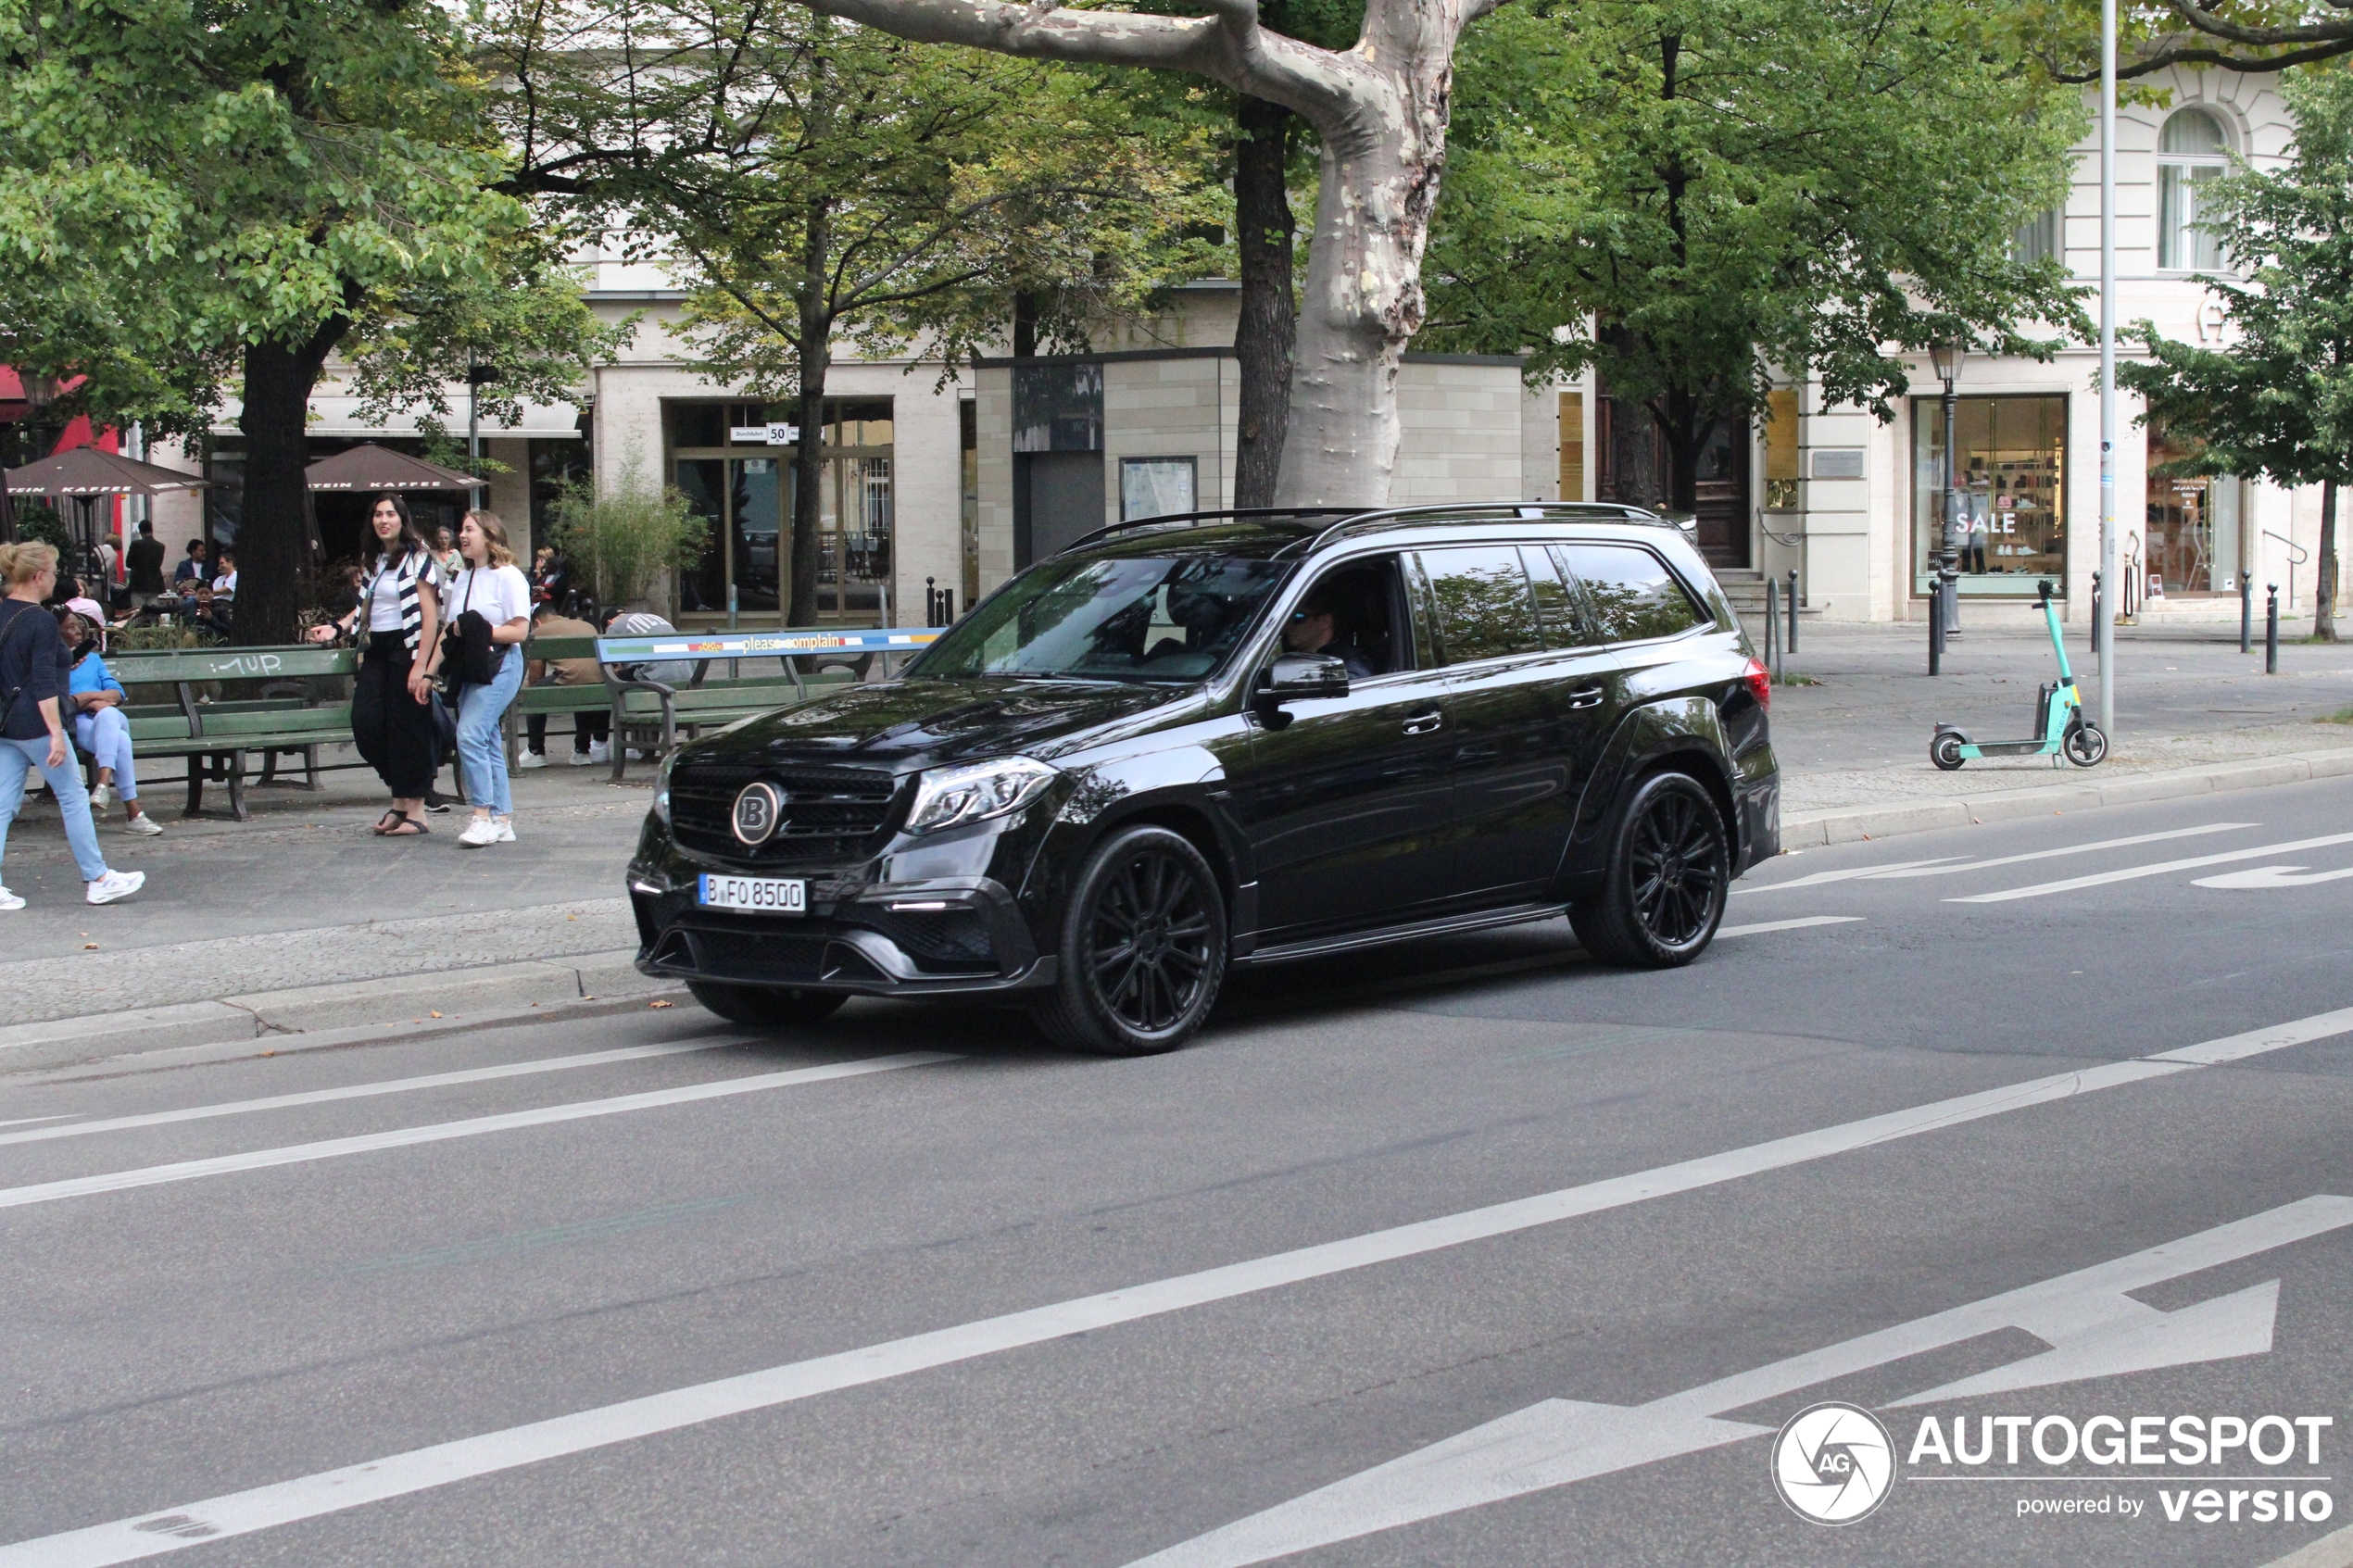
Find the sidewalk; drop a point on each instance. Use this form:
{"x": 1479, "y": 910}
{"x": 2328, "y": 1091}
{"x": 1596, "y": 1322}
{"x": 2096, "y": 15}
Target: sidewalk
{"x": 300, "y": 920}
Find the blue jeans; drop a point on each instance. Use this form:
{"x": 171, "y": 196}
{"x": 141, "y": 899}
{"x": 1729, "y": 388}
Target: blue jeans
{"x": 106, "y": 735}
{"x": 65, "y": 782}
{"x": 481, "y": 750}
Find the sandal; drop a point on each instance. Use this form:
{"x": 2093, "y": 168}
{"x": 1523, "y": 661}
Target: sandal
{"x": 383, "y": 824}
{"x": 409, "y": 827}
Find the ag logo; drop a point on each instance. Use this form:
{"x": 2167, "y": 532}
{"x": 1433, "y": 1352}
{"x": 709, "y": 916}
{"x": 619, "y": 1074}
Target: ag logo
{"x": 759, "y": 811}
{"x": 1833, "y": 1463}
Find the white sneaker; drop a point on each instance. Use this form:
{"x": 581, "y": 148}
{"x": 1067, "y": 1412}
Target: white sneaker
{"x": 100, "y": 799}
{"x": 506, "y": 826}
{"x": 478, "y": 832}
{"x": 117, "y": 884}
{"x": 598, "y": 751}
{"x": 143, "y": 825}
{"x": 10, "y": 900}
{"x": 532, "y": 760}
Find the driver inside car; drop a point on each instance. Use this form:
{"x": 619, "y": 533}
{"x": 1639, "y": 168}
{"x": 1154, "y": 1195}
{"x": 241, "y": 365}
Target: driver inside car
{"x": 1314, "y": 628}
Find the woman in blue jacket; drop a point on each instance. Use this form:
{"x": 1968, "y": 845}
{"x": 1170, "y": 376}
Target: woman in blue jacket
{"x": 99, "y": 725}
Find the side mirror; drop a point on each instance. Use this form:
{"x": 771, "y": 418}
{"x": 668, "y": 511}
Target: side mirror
{"x": 1296, "y": 675}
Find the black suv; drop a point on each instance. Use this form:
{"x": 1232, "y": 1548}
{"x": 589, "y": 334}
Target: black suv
{"x": 1232, "y": 739}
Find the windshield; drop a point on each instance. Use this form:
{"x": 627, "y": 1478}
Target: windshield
{"x": 1108, "y": 619}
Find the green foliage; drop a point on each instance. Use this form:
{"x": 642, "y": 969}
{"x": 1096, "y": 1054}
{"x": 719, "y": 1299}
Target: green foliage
{"x": 2278, "y": 401}
{"x": 621, "y": 540}
{"x": 1739, "y": 186}
{"x": 2063, "y": 37}
{"x": 38, "y": 521}
{"x": 157, "y": 638}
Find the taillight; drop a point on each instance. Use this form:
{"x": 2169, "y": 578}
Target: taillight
{"x": 1759, "y": 681}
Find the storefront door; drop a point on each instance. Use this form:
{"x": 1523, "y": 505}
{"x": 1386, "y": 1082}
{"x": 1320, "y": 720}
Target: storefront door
{"x": 2191, "y": 539}
{"x": 742, "y": 486}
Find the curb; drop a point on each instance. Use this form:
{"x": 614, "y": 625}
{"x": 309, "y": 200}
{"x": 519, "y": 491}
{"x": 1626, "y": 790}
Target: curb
{"x": 464, "y": 999}
{"x": 1808, "y": 830}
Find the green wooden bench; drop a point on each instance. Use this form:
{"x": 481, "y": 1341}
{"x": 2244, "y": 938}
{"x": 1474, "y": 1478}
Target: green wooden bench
{"x": 221, "y": 737}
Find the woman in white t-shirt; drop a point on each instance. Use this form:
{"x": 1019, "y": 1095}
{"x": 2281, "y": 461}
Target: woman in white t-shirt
{"x": 490, "y": 597}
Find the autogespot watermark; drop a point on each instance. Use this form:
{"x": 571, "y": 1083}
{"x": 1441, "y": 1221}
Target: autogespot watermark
{"x": 1834, "y": 1465}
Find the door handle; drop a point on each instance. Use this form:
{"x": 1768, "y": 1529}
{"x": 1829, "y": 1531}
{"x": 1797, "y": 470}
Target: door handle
{"x": 1590, "y": 697}
{"x": 1422, "y": 723}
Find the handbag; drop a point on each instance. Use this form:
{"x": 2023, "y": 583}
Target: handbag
{"x": 472, "y": 657}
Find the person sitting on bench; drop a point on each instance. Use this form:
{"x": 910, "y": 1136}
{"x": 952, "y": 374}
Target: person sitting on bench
{"x": 99, "y": 727}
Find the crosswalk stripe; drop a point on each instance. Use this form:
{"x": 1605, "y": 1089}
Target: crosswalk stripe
{"x": 331, "y": 1491}
{"x": 362, "y": 1091}
{"x": 440, "y": 1132}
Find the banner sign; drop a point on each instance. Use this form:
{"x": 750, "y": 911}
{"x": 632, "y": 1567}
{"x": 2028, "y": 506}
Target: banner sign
{"x": 764, "y": 644}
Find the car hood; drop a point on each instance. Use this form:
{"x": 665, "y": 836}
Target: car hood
{"x": 910, "y": 724}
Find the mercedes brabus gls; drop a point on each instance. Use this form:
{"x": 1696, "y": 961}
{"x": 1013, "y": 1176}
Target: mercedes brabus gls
{"x": 1196, "y": 743}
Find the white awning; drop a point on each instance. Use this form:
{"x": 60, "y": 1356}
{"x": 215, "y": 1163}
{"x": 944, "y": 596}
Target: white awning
{"x": 340, "y": 417}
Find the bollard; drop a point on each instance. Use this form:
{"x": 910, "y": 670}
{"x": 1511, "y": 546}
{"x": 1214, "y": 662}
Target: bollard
{"x": 2247, "y": 612}
{"x": 1772, "y": 633}
{"x": 1792, "y": 611}
{"x": 1935, "y": 627}
{"x": 2271, "y": 632}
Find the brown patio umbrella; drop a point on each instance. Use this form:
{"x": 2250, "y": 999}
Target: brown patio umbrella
{"x": 376, "y": 468}
{"x": 86, "y": 471}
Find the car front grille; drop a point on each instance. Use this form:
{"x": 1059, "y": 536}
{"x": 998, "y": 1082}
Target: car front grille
{"x": 730, "y": 955}
{"x": 827, "y": 811}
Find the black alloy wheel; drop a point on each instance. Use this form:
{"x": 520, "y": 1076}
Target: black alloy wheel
{"x": 765, "y": 1006}
{"x": 1671, "y": 871}
{"x": 1142, "y": 953}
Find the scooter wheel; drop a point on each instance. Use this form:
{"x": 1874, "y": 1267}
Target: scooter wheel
{"x": 2085, "y": 745}
{"x": 1945, "y": 749}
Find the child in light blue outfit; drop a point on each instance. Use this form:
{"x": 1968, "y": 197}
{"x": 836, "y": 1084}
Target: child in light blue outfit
{"x": 95, "y": 698}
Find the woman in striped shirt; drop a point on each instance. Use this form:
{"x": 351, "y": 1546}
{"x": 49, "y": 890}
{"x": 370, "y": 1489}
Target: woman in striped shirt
{"x": 391, "y": 705}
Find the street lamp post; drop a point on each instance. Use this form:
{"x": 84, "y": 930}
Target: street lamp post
{"x": 1948, "y": 357}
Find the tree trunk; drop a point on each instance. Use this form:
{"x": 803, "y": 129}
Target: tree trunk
{"x": 1268, "y": 333}
{"x": 272, "y": 532}
{"x": 1364, "y": 302}
{"x": 809, "y": 477}
{"x": 2324, "y": 601}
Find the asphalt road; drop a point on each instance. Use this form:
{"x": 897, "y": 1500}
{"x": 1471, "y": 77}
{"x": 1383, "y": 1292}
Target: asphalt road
{"x": 1477, "y": 1254}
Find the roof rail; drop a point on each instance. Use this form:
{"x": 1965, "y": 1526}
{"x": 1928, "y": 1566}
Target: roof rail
{"x": 1485, "y": 511}
{"x": 1227, "y": 515}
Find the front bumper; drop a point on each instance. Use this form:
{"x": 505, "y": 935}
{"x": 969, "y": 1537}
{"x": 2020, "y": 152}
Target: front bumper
{"x": 945, "y": 936}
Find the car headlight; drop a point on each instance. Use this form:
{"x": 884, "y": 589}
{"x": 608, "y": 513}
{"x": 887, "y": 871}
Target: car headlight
{"x": 662, "y": 788}
{"x": 949, "y": 798}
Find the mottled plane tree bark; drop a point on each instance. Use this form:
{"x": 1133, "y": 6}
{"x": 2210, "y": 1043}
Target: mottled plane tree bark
{"x": 1379, "y": 110}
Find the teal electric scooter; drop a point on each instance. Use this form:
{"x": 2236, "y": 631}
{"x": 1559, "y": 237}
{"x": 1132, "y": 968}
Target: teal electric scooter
{"x": 2058, "y": 713}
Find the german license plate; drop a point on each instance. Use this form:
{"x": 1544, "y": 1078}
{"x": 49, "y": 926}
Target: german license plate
{"x": 763, "y": 894}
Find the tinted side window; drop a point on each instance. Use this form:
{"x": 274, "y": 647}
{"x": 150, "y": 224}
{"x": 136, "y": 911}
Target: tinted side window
{"x": 1556, "y": 605}
{"x": 1479, "y": 595}
{"x": 1632, "y": 594}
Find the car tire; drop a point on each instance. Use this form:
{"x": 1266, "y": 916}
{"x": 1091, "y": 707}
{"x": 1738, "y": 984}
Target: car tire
{"x": 765, "y": 1006}
{"x": 1670, "y": 869}
{"x": 1142, "y": 950}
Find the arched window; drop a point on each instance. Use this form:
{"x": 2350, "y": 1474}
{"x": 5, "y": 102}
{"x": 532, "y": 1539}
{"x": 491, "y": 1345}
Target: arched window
{"x": 2192, "y": 153}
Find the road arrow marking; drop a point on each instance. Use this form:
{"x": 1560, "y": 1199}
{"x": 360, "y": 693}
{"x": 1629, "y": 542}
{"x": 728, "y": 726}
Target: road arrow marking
{"x": 2158, "y": 868}
{"x": 2094, "y": 1329}
{"x": 2272, "y": 876}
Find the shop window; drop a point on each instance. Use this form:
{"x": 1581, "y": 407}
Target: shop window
{"x": 734, "y": 461}
{"x": 1156, "y": 487}
{"x": 2010, "y": 529}
{"x": 1058, "y": 408}
{"x": 1781, "y": 450}
{"x": 2190, "y": 541}
{"x": 2192, "y": 154}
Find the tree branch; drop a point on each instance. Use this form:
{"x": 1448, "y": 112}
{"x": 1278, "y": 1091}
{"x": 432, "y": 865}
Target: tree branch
{"x": 1229, "y": 46}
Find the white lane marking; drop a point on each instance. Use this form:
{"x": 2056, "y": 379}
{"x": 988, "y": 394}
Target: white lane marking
{"x": 1760, "y": 927}
{"x": 330, "y": 1491}
{"x": 2159, "y": 868}
{"x": 1817, "y": 878}
{"x": 2272, "y": 877}
{"x": 360, "y": 1091}
{"x": 1951, "y": 864}
{"x": 402, "y": 1137}
{"x": 2095, "y": 1329}
{"x": 28, "y": 1120}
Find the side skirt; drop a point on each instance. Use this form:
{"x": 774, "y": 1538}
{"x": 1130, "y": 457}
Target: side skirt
{"x": 1320, "y": 946}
